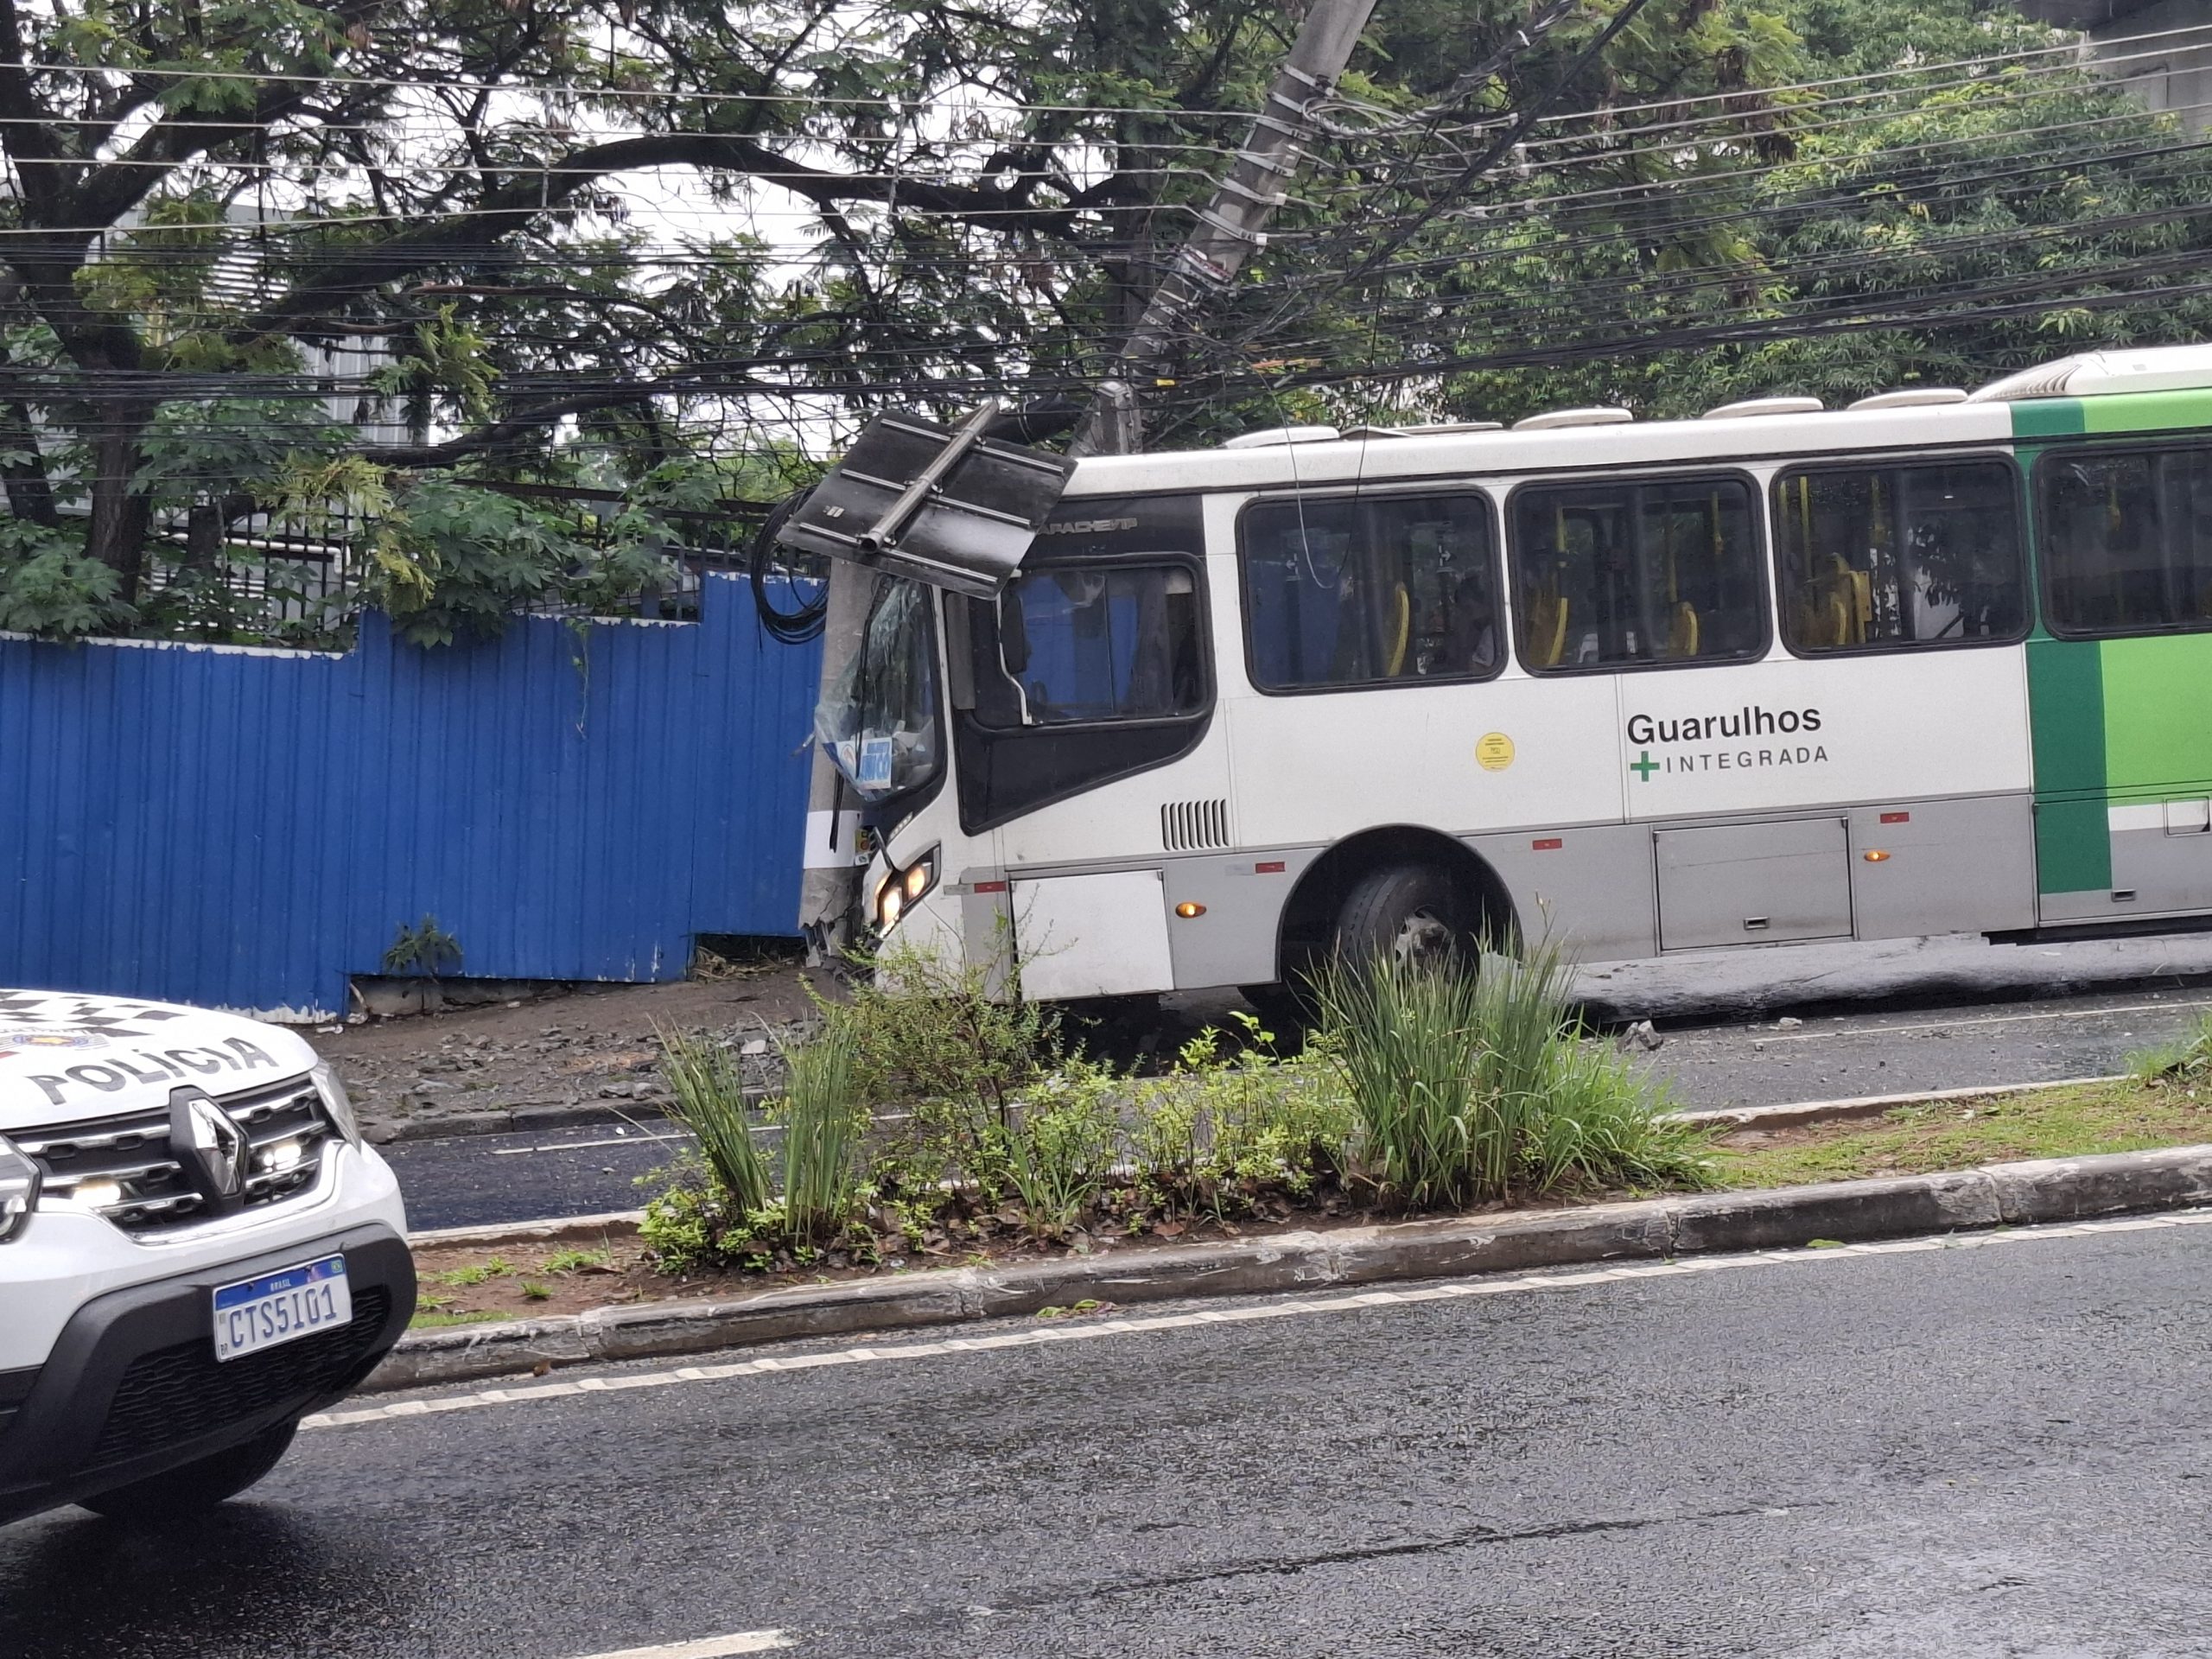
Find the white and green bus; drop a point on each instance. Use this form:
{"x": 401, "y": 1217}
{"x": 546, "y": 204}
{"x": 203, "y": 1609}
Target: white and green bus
{"x": 1937, "y": 662}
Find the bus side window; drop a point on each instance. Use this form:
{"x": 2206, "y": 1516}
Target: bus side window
{"x": 1879, "y": 558}
{"x": 2126, "y": 540}
{"x": 1636, "y": 573}
{"x": 1373, "y": 590}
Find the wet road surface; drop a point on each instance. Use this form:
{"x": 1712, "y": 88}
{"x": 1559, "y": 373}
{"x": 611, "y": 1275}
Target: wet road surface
{"x": 475, "y": 1180}
{"x": 1842, "y": 1057}
{"x": 1993, "y": 1445}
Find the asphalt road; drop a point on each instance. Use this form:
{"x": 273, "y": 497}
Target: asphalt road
{"x": 1894, "y": 1046}
{"x": 2000, "y": 1445}
{"x": 1841, "y": 1057}
{"x": 475, "y": 1180}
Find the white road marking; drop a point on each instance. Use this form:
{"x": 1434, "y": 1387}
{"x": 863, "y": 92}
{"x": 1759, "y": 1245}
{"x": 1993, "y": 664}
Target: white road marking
{"x": 646, "y": 1140}
{"x": 714, "y": 1647}
{"x": 583, "y": 1146}
{"x": 1936, "y": 1025}
{"x": 1034, "y": 1336}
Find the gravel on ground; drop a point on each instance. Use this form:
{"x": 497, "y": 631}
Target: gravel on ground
{"x": 581, "y": 1045}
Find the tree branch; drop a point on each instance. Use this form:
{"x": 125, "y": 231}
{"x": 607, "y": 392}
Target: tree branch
{"x": 531, "y": 195}
{"x": 525, "y": 422}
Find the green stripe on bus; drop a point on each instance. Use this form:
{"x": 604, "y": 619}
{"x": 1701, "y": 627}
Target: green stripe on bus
{"x": 2144, "y": 412}
{"x": 2066, "y": 722}
{"x": 2050, "y": 417}
{"x": 2135, "y": 411}
{"x": 2158, "y": 739}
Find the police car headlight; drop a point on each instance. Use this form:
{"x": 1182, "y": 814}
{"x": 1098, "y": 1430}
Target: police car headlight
{"x": 19, "y": 1184}
{"x": 334, "y": 1101}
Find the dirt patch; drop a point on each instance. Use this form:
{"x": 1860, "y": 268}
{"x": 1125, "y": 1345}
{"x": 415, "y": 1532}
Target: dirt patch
{"x": 588, "y": 1045}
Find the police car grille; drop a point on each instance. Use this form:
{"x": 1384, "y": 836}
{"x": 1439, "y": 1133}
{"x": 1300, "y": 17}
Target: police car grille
{"x": 286, "y": 1122}
{"x": 177, "y": 1394}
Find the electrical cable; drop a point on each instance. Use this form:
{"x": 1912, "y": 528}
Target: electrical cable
{"x": 792, "y": 628}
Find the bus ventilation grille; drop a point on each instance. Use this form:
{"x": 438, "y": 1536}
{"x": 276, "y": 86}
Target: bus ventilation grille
{"x": 1186, "y": 826}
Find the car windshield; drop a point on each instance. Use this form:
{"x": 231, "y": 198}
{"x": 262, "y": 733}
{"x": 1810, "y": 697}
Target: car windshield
{"x": 879, "y": 721}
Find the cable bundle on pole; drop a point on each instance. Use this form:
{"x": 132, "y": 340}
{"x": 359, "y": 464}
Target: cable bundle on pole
{"x": 792, "y": 628}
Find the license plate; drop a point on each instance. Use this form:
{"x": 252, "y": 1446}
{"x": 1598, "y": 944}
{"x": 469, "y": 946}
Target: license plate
{"x": 279, "y": 1307}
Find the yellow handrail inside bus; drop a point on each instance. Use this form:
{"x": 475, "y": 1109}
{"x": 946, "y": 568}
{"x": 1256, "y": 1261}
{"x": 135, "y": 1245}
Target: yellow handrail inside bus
{"x": 1546, "y": 623}
{"x": 1404, "y": 634}
{"x": 1682, "y": 629}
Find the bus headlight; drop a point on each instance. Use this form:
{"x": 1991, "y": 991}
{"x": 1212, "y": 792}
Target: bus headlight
{"x": 901, "y": 889}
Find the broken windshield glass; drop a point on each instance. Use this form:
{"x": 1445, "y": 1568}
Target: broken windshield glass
{"x": 879, "y": 721}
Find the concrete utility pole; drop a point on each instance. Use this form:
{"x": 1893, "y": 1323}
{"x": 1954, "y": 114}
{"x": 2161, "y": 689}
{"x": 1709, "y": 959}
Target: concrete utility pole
{"x": 828, "y": 879}
{"x": 1232, "y": 224}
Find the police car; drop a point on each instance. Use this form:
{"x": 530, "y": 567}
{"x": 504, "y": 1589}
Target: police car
{"x": 197, "y": 1248}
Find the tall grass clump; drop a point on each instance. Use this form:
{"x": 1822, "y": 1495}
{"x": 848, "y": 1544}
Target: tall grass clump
{"x": 707, "y": 1084}
{"x": 823, "y": 1118}
{"x": 2187, "y": 1060}
{"x": 1476, "y": 1083}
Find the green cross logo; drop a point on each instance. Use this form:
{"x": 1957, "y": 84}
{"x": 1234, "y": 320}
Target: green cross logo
{"x": 1643, "y": 765}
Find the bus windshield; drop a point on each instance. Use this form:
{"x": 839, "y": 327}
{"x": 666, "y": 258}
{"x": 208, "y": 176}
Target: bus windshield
{"x": 879, "y": 721}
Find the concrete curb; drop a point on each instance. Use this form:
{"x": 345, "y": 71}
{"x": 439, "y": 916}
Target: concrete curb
{"x": 552, "y": 1230}
{"x": 1794, "y": 1114}
{"x": 2014, "y": 1195}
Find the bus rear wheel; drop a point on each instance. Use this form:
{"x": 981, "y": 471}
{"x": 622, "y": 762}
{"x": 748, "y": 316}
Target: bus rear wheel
{"x": 1411, "y": 913}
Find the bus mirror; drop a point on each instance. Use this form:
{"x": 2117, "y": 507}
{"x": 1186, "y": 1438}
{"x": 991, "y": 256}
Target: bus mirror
{"x": 945, "y": 506}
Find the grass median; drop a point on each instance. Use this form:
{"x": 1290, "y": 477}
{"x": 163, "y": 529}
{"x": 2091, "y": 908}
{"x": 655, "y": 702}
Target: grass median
{"x": 2078, "y": 1122}
{"x": 1239, "y": 1140}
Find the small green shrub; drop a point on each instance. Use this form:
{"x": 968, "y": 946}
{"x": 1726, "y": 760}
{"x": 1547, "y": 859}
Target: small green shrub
{"x": 930, "y": 1037}
{"x": 425, "y": 949}
{"x": 2186, "y": 1059}
{"x": 924, "y": 1029}
{"x": 692, "y": 1225}
{"x": 1227, "y": 1125}
{"x": 1062, "y": 1145}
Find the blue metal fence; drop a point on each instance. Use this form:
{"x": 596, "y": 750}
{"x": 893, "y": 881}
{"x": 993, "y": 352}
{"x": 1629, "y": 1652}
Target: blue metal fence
{"x": 246, "y": 828}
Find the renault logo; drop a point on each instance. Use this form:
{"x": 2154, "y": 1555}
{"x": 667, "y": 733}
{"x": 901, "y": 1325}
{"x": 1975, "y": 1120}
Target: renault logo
{"x": 211, "y": 1148}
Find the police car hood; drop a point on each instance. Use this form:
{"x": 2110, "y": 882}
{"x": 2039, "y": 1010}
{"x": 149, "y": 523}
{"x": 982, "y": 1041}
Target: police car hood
{"x": 66, "y": 1057}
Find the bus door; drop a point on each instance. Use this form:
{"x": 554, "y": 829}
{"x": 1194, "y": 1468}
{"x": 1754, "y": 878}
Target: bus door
{"x": 2121, "y": 676}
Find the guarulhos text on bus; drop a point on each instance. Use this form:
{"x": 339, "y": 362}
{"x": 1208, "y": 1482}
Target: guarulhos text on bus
{"x": 1745, "y": 722}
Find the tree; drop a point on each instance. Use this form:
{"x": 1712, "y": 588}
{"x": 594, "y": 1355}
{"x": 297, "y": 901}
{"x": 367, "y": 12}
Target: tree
{"x": 267, "y": 256}
{"x": 1731, "y": 213}
{"x": 211, "y": 198}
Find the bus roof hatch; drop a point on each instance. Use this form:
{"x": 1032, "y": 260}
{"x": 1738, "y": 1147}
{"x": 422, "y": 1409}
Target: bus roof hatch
{"x": 944, "y": 505}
